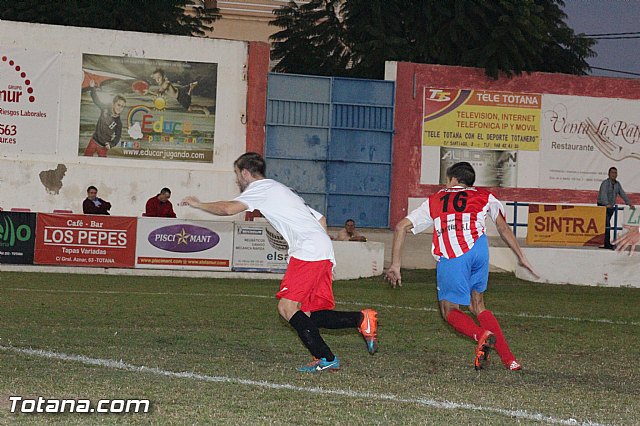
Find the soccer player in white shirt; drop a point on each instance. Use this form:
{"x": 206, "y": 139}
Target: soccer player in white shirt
{"x": 457, "y": 214}
{"x": 306, "y": 296}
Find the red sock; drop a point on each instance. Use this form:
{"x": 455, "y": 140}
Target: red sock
{"x": 488, "y": 321}
{"x": 464, "y": 324}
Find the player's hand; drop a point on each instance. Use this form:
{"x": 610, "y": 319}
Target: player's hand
{"x": 629, "y": 240}
{"x": 393, "y": 276}
{"x": 190, "y": 201}
{"x": 524, "y": 262}
{"x": 92, "y": 83}
{"x": 108, "y": 146}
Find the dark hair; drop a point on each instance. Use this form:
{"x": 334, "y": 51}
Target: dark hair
{"x": 253, "y": 162}
{"x": 92, "y": 187}
{"x": 158, "y": 71}
{"x": 463, "y": 172}
{"x": 613, "y": 168}
{"x": 165, "y": 191}
{"x": 349, "y": 220}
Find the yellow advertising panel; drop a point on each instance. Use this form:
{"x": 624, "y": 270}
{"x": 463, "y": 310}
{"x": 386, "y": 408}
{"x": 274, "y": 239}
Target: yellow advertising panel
{"x": 481, "y": 119}
{"x": 561, "y": 225}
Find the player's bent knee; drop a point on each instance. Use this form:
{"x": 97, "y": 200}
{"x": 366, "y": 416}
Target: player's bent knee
{"x": 287, "y": 308}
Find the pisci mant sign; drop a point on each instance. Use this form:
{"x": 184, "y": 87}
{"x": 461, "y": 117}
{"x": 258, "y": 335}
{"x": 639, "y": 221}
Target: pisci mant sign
{"x": 85, "y": 240}
{"x": 179, "y": 244}
{"x": 17, "y": 237}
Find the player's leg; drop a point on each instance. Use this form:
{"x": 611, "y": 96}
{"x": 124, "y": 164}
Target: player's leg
{"x": 295, "y": 289}
{"x": 336, "y": 319}
{"x": 479, "y": 280}
{"x": 321, "y": 303}
{"x": 306, "y": 329}
{"x": 488, "y": 321}
{"x": 453, "y": 291}
{"x": 366, "y": 321}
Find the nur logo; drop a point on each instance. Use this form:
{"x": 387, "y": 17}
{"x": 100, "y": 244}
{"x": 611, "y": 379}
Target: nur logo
{"x": 9, "y": 233}
{"x": 13, "y": 93}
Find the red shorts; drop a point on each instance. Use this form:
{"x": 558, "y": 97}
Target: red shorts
{"x": 308, "y": 283}
{"x": 94, "y": 147}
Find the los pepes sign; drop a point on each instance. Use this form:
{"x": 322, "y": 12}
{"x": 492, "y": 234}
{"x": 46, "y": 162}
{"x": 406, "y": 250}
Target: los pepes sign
{"x": 85, "y": 240}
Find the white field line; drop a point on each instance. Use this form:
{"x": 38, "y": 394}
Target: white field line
{"x": 427, "y": 402}
{"x": 370, "y": 305}
{"x": 502, "y": 314}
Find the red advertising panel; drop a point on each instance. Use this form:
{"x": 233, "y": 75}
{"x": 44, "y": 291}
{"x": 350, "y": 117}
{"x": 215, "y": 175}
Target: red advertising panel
{"x": 85, "y": 240}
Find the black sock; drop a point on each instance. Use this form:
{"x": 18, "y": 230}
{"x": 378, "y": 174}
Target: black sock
{"x": 336, "y": 319}
{"x": 310, "y": 336}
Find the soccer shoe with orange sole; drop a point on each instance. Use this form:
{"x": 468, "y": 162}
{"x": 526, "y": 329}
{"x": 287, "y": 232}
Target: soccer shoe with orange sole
{"x": 369, "y": 329}
{"x": 514, "y": 366}
{"x": 486, "y": 342}
{"x": 320, "y": 365}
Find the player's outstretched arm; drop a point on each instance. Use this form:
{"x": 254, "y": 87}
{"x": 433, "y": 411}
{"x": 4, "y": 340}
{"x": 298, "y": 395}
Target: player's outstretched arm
{"x": 218, "y": 208}
{"x": 629, "y": 240}
{"x": 507, "y": 236}
{"x": 393, "y": 273}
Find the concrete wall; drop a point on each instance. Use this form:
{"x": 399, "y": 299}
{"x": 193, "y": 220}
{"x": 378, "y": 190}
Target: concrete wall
{"x": 407, "y": 147}
{"x": 358, "y": 260}
{"x": 583, "y": 267}
{"x": 127, "y": 184}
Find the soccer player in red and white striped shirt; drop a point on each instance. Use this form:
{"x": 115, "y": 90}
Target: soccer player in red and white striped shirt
{"x": 457, "y": 214}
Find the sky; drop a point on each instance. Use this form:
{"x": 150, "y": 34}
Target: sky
{"x": 608, "y": 16}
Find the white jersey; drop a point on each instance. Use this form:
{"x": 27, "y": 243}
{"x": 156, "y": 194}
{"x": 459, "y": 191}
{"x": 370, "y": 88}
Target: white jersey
{"x": 291, "y": 217}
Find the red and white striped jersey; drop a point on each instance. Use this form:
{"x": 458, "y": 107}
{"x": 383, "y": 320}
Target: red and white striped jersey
{"x": 458, "y": 217}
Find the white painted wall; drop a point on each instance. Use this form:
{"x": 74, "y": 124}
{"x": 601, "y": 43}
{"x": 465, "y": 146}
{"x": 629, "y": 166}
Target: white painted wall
{"x": 358, "y": 260}
{"x": 583, "y": 267}
{"x": 127, "y": 184}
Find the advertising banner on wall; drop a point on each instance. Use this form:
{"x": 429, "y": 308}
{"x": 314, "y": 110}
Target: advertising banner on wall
{"x": 582, "y": 137}
{"x": 85, "y": 240}
{"x": 29, "y": 101}
{"x": 184, "y": 244}
{"x": 492, "y": 167}
{"x": 147, "y": 109}
{"x": 481, "y": 119}
{"x": 259, "y": 247}
{"x": 562, "y": 225}
{"x": 17, "y": 237}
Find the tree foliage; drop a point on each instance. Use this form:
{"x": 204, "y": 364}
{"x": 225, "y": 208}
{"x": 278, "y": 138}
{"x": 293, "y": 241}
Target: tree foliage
{"x": 151, "y": 16}
{"x": 356, "y": 37}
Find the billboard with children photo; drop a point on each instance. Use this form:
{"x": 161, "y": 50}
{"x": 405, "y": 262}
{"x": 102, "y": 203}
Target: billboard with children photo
{"x": 147, "y": 109}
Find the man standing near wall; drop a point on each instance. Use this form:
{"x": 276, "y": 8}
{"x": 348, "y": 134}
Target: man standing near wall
{"x": 306, "y": 295}
{"x": 461, "y": 249}
{"x": 610, "y": 188}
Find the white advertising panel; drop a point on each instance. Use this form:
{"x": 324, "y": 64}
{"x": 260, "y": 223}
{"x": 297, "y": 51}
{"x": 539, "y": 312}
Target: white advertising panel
{"x": 583, "y": 136}
{"x": 29, "y": 101}
{"x": 184, "y": 244}
{"x": 259, "y": 247}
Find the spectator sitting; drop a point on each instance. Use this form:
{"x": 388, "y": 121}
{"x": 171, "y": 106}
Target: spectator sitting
{"x": 349, "y": 232}
{"x": 94, "y": 205}
{"x": 159, "y": 205}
